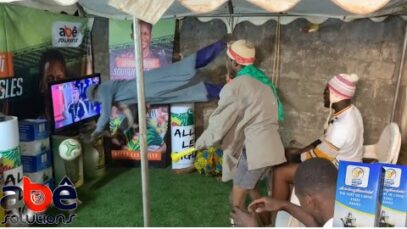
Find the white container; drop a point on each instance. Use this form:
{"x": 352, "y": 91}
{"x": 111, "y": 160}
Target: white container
{"x": 182, "y": 134}
{"x": 93, "y": 160}
{"x": 75, "y": 166}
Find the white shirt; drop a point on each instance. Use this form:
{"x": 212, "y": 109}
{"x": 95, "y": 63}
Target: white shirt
{"x": 346, "y": 134}
{"x": 343, "y": 140}
{"x": 329, "y": 223}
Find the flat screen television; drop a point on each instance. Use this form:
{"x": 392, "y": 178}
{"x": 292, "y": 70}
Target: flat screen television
{"x": 70, "y": 106}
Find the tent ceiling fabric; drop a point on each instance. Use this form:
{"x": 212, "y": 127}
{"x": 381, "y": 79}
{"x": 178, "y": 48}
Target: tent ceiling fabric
{"x": 362, "y": 6}
{"x": 146, "y": 10}
{"x": 323, "y": 8}
{"x": 275, "y": 5}
{"x": 150, "y": 12}
{"x": 202, "y": 6}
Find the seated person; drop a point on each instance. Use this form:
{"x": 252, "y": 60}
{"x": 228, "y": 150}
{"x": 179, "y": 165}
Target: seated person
{"x": 342, "y": 139}
{"x": 315, "y": 186}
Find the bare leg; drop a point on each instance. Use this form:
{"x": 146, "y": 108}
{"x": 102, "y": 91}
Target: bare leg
{"x": 264, "y": 216}
{"x": 283, "y": 177}
{"x": 239, "y": 197}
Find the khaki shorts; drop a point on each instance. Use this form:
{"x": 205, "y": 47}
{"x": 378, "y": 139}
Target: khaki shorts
{"x": 244, "y": 178}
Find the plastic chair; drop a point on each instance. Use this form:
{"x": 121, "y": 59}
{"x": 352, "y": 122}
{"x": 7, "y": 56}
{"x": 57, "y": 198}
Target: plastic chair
{"x": 387, "y": 149}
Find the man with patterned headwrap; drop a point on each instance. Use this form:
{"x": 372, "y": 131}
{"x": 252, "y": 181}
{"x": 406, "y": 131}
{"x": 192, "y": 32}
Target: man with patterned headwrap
{"x": 246, "y": 124}
{"x": 343, "y": 134}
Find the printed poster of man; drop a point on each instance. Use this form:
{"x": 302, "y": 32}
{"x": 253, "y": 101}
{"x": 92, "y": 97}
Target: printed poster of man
{"x": 157, "y": 48}
{"x": 38, "y": 48}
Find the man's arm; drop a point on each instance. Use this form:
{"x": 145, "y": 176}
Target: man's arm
{"x": 307, "y": 148}
{"x": 220, "y": 121}
{"x": 105, "y": 97}
{"x": 270, "y": 204}
{"x": 298, "y": 213}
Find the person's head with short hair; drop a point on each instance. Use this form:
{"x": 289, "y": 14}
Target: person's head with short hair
{"x": 315, "y": 186}
{"x": 52, "y": 67}
{"x": 75, "y": 94}
{"x": 146, "y": 35}
{"x": 240, "y": 53}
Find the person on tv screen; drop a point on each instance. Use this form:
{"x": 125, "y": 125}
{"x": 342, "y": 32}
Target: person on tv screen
{"x": 77, "y": 108}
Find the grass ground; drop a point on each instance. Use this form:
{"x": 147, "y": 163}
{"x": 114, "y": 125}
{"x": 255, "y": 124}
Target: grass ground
{"x": 189, "y": 200}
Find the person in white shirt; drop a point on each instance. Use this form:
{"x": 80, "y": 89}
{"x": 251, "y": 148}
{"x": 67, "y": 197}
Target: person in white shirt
{"x": 342, "y": 138}
{"x": 315, "y": 186}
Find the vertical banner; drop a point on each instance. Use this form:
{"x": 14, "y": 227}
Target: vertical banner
{"x": 182, "y": 134}
{"x": 11, "y": 168}
{"x": 157, "y": 48}
{"x": 37, "y": 47}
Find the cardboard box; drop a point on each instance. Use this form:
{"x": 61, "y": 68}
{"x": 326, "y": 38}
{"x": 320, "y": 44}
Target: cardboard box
{"x": 33, "y": 129}
{"x": 33, "y": 148}
{"x": 36, "y": 163}
{"x": 40, "y": 177}
{"x": 394, "y": 204}
{"x": 358, "y": 194}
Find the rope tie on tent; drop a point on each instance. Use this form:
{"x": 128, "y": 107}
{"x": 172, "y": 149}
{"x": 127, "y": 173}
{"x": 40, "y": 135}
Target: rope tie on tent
{"x": 276, "y": 64}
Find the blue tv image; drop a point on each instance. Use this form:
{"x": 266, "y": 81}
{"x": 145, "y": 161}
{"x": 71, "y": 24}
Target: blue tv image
{"x": 70, "y": 104}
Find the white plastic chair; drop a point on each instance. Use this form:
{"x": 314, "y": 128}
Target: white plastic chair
{"x": 387, "y": 149}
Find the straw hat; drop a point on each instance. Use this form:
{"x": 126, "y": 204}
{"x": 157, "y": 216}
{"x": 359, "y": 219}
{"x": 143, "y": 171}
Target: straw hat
{"x": 242, "y": 51}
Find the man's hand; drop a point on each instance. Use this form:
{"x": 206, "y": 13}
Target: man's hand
{"x": 243, "y": 219}
{"x": 267, "y": 204}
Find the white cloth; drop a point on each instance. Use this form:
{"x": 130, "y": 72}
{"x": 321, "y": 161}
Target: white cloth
{"x": 329, "y": 223}
{"x": 343, "y": 140}
{"x": 346, "y": 134}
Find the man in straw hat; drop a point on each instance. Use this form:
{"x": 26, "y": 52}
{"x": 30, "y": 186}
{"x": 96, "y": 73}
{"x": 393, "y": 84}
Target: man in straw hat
{"x": 342, "y": 138}
{"x": 245, "y": 123}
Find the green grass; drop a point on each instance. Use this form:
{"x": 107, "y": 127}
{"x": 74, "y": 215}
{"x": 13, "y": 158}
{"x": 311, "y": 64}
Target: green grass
{"x": 189, "y": 200}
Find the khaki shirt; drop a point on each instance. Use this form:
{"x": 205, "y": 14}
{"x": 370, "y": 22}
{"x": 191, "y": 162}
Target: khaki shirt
{"x": 246, "y": 116}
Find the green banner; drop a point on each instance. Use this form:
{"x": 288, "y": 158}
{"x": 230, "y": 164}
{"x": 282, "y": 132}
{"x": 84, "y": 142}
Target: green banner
{"x": 37, "y": 47}
{"x": 157, "y": 47}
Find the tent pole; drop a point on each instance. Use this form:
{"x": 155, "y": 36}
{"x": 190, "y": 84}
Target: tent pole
{"x": 142, "y": 120}
{"x": 396, "y": 93}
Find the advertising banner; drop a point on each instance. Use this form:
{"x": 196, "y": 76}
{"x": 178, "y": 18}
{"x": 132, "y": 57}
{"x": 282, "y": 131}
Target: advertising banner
{"x": 157, "y": 48}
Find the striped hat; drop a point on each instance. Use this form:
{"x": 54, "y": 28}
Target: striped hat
{"x": 242, "y": 51}
{"x": 342, "y": 86}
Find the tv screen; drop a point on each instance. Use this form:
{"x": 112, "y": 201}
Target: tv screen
{"x": 70, "y": 105}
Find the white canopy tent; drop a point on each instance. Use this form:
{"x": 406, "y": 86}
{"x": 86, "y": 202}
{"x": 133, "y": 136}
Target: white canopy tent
{"x": 151, "y": 11}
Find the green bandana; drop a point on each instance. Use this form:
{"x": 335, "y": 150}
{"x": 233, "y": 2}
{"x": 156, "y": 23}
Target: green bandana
{"x": 257, "y": 74}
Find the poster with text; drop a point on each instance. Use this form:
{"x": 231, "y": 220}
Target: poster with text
{"x": 157, "y": 48}
{"x": 37, "y": 48}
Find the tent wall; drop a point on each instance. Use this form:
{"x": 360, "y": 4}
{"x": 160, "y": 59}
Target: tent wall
{"x": 401, "y": 114}
{"x": 308, "y": 60}
{"x": 100, "y": 42}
